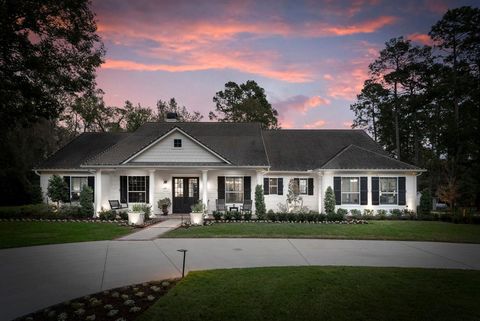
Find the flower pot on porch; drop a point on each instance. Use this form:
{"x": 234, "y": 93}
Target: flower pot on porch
{"x": 136, "y": 218}
{"x": 196, "y": 218}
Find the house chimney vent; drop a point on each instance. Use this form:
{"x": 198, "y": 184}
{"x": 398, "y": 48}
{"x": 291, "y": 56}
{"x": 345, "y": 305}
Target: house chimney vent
{"x": 171, "y": 117}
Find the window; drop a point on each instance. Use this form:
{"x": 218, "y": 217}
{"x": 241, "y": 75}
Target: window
{"x": 137, "y": 188}
{"x": 273, "y": 186}
{"x": 301, "y": 185}
{"x": 76, "y": 185}
{"x": 177, "y": 143}
{"x": 233, "y": 189}
{"x": 192, "y": 186}
{"x": 388, "y": 190}
{"x": 178, "y": 187}
{"x": 350, "y": 190}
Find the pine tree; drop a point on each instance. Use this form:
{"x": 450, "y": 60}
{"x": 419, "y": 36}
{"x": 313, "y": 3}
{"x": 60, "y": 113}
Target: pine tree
{"x": 329, "y": 201}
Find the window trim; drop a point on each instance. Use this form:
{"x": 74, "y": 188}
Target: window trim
{"x": 144, "y": 191}
{"x": 270, "y": 185}
{"x": 239, "y": 192}
{"x": 387, "y": 193}
{"x": 342, "y": 192}
{"x": 175, "y": 140}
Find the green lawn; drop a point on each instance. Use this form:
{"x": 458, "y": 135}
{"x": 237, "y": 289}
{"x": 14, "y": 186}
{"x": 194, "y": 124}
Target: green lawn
{"x": 16, "y": 234}
{"x": 322, "y": 293}
{"x": 375, "y": 230}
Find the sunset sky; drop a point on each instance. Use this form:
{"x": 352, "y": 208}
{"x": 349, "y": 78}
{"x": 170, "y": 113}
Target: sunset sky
{"x": 311, "y": 57}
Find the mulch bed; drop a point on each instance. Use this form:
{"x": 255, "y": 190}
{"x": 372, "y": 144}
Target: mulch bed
{"x": 121, "y": 304}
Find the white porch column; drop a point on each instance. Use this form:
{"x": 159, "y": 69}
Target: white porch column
{"x": 98, "y": 192}
{"x": 259, "y": 182}
{"x": 151, "y": 190}
{"x": 204, "y": 188}
{"x": 320, "y": 191}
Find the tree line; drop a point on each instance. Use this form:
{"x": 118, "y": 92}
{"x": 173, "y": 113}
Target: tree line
{"x": 422, "y": 104}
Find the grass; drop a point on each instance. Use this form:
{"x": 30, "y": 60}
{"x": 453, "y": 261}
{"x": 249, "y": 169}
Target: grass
{"x": 375, "y": 230}
{"x": 322, "y": 293}
{"x": 16, "y": 234}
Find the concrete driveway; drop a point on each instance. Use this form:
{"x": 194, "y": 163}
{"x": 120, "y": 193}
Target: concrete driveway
{"x": 36, "y": 277}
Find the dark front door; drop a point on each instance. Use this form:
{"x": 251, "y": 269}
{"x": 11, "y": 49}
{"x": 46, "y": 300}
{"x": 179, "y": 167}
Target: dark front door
{"x": 185, "y": 193}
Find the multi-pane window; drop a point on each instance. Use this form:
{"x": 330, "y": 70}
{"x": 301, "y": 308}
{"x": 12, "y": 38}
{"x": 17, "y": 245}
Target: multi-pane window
{"x": 177, "y": 143}
{"x": 273, "y": 186}
{"x": 76, "y": 185}
{"x": 303, "y": 186}
{"x": 192, "y": 186}
{"x": 137, "y": 189}
{"x": 234, "y": 189}
{"x": 178, "y": 187}
{"x": 350, "y": 190}
{"x": 388, "y": 190}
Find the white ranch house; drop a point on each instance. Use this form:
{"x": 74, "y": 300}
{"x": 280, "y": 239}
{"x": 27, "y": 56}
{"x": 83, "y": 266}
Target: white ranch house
{"x": 207, "y": 161}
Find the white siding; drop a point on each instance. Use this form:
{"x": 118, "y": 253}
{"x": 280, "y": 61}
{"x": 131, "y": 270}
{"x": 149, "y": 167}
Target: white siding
{"x": 163, "y": 151}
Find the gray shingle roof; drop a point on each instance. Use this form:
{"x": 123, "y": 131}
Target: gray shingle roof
{"x": 242, "y": 144}
{"x": 239, "y": 143}
{"x": 300, "y": 150}
{"x": 355, "y": 157}
{"x": 80, "y": 149}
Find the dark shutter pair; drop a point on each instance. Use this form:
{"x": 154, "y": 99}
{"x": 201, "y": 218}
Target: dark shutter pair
{"x": 91, "y": 184}
{"x": 124, "y": 189}
{"x": 247, "y": 188}
{"x": 337, "y": 189}
{"x": 376, "y": 191}
{"x": 266, "y": 186}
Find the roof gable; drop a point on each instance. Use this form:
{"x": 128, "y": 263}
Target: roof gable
{"x": 162, "y": 150}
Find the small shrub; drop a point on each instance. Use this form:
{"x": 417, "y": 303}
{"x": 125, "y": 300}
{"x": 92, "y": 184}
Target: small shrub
{"x": 228, "y": 216}
{"x": 27, "y": 211}
{"x": 341, "y": 213}
{"x": 408, "y": 214}
{"x": 217, "y": 215}
{"x": 107, "y": 215}
{"x": 237, "y": 215}
{"x": 368, "y": 214}
{"x": 57, "y": 190}
{"x": 282, "y": 217}
{"x": 311, "y": 217}
{"x": 70, "y": 211}
{"x": 356, "y": 214}
{"x": 247, "y": 216}
{"x": 260, "y": 208}
{"x": 271, "y": 216}
{"x": 301, "y": 217}
{"x": 123, "y": 215}
{"x": 330, "y": 201}
{"x": 425, "y": 202}
{"x": 86, "y": 201}
{"x": 322, "y": 217}
{"x": 291, "y": 217}
{"x": 395, "y": 214}
{"x": 382, "y": 214}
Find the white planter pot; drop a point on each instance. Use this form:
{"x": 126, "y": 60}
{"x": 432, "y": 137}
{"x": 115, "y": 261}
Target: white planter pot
{"x": 136, "y": 218}
{"x": 196, "y": 218}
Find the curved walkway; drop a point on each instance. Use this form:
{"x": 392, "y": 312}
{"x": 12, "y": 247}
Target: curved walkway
{"x": 36, "y": 277}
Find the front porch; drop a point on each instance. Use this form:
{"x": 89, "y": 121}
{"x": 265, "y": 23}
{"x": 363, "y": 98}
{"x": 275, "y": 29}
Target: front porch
{"x": 183, "y": 186}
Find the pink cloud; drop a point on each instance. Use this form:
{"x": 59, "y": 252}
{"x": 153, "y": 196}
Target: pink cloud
{"x": 347, "y": 124}
{"x": 300, "y": 103}
{"x": 328, "y": 77}
{"x": 421, "y": 38}
{"x": 316, "y": 124}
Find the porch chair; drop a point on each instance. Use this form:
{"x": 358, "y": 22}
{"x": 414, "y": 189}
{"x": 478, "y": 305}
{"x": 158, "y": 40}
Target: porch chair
{"x": 115, "y": 205}
{"x": 247, "y": 206}
{"x": 220, "y": 205}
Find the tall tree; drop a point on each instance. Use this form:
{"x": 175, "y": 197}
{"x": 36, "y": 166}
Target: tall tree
{"x": 244, "y": 103}
{"x": 136, "y": 116}
{"x": 164, "y": 107}
{"x": 367, "y": 108}
{"x": 49, "y": 52}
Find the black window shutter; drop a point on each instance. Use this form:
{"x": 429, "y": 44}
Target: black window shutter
{"x": 310, "y": 186}
{"x": 147, "y": 189}
{"x": 221, "y": 187}
{"x": 280, "y": 186}
{"x": 67, "y": 181}
{"x": 123, "y": 189}
{"x": 363, "y": 191}
{"x": 266, "y": 186}
{"x": 91, "y": 184}
{"x": 401, "y": 191}
{"x": 337, "y": 189}
{"x": 247, "y": 188}
{"x": 375, "y": 191}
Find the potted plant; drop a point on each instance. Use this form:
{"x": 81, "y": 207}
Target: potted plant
{"x": 196, "y": 216}
{"x": 164, "y": 204}
{"x": 136, "y": 215}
